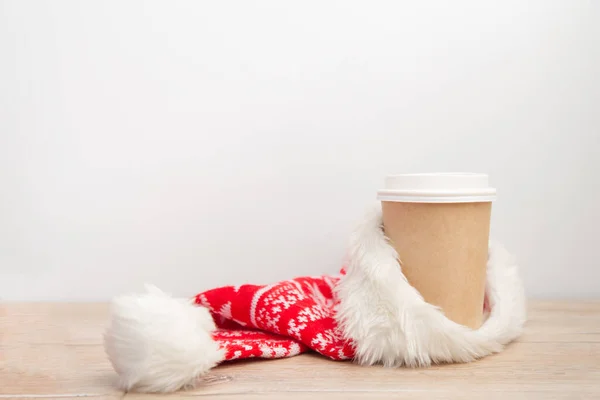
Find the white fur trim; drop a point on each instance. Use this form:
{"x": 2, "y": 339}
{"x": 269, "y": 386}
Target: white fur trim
{"x": 390, "y": 323}
{"x": 157, "y": 343}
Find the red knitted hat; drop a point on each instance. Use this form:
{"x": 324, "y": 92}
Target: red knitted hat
{"x": 367, "y": 313}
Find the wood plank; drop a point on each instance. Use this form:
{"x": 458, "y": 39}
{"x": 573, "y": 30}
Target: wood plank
{"x": 567, "y": 368}
{"x": 53, "y": 323}
{"x": 562, "y": 321}
{"x": 42, "y": 369}
{"x": 562, "y": 367}
{"x": 83, "y": 323}
{"x": 59, "y": 397}
{"x": 334, "y": 396}
{"x": 383, "y": 395}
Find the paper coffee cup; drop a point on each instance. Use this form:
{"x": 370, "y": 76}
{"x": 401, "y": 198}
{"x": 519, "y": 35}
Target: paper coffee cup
{"x": 439, "y": 224}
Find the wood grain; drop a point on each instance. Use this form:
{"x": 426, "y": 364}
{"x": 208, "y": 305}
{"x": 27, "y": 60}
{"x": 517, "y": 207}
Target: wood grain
{"x": 55, "y": 350}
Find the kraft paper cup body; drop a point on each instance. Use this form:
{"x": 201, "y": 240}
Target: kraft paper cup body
{"x": 439, "y": 224}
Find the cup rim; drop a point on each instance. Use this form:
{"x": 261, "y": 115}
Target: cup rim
{"x": 437, "y": 187}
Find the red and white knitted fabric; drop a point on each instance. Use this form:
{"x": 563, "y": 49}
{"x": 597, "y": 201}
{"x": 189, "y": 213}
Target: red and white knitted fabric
{"x": 278, "y": 320}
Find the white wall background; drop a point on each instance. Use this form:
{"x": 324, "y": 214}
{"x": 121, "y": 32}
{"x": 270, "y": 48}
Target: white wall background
{"x": 194, "y": 144}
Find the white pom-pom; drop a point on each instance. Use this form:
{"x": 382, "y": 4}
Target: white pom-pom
{"x": 157, "y": 343}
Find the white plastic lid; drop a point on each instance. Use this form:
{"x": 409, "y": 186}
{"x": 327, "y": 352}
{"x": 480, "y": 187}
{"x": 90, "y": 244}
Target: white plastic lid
{"x": 437, "y": 188}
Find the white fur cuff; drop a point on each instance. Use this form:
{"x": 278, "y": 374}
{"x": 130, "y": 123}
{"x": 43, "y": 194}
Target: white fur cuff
{"x": 389, "y": 322}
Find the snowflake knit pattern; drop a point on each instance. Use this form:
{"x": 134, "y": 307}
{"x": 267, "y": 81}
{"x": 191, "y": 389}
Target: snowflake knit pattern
{"x": 277, "y": 320}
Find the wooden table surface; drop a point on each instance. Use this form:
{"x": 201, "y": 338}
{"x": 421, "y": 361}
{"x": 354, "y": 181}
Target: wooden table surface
{"x": 55, "y": 351}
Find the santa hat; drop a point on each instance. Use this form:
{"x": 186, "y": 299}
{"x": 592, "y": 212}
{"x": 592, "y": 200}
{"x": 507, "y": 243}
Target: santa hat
{"x": 368, "y": 313}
